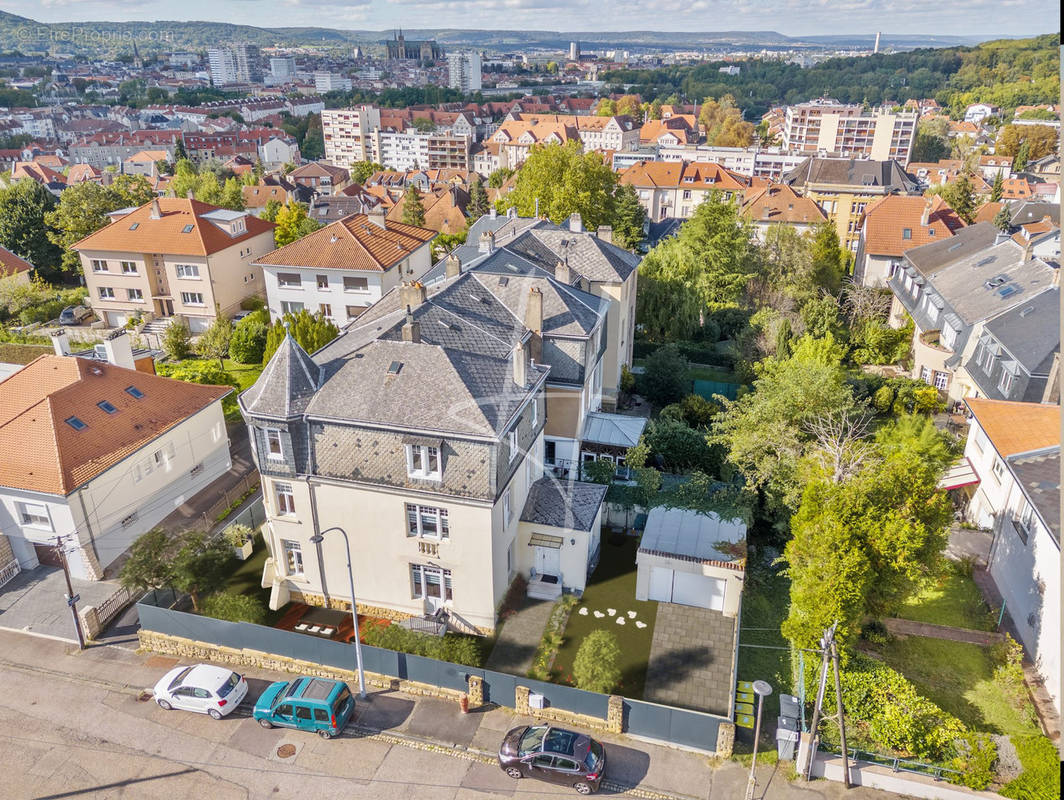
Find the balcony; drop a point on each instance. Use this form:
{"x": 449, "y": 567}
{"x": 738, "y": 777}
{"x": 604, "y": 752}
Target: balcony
{"x": 933, "y": 340}
{"x": 426, "y": 548}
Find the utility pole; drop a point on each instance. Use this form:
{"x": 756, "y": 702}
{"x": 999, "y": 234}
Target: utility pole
{"x": 838, "y": 705}
{"x": 829, "y": 651}
{"x": 814, "y": 724}
{"x": 71, "y": 598}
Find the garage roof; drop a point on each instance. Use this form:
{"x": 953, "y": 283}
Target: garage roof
{"x": 695, "y": 536}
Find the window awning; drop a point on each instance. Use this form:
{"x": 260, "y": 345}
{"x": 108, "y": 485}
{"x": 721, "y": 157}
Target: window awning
{"x": 960, "y": 474}
{"x": 545, "y": 540}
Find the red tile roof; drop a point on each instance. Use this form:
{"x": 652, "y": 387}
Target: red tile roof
{"x": 887, "y": 219}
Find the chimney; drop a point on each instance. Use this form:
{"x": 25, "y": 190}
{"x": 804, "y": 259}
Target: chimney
{"x": 190, "y": 195}
{"x": 411, "y": 294}
{"x": 376, "y": 216}
{"x": 605, "y": 233}
{"x": 411, "y": 328}
{"x": 487, "y": 242}
{"x": 492, "y": 213}
{"x": 118, "y": 349}
{"x": 561, "y": 273}
{"x": 534, "y": 322}
{"x": 1001, "y": 236}
{"x": 576, "y": 223}
{"x": 61, "y": 342}
{"x": 156, "y": 212}
{"x": 453, "y": 267}
{"x": 926, "y": 216}
{"x": 520, "y": 359}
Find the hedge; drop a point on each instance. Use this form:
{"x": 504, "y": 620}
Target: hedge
{"x": 692, "y": 351}
{"x": 454, "y": 647}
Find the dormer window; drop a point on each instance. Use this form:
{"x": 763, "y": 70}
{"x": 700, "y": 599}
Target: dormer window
{"x": 423, "y": 462}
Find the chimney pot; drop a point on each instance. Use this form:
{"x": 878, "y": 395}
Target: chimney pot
{"x": 453, "y": 267}
{"x": 562, "y": 274}
{"x": 190, "y": 195}
{"x": 487, "y": 242}
{"x": 412, "y": 294}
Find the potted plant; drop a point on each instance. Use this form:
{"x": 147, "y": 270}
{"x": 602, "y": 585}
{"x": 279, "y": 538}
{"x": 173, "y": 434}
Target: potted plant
{"x": 240, "y": 537}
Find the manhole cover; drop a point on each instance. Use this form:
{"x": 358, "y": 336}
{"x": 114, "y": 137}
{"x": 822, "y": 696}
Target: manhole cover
{"x": 144, "y": 696}
{"x": 286, "y": 750}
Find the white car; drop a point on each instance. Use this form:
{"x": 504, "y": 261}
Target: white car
{"x": 203, "y": 688}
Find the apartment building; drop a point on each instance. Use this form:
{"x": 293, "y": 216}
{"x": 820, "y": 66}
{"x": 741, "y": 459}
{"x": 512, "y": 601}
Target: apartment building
{"x": 347, "y": 133}
{"x": 520, "y": 131}
{"x": 426, "y": 416}
{"x": 342, "y": 269}
{"x": 777, "y": 204}
{"x": 894, "y": 224}
{"x": 331, "y": 82}
{"x": 769, "y": 163}
{"x": 828, "y": 127}
{"x": 463, "y": 71}
{"x": 844, "y": 187}
{"x": 238, "y": 62}
{"x": 1013, "y": 452}
{"x": 359, "y": 134}
{"x": 105, "y": 452}
{"x": 673, "y": 190}
{"x": 174, "y": 257}
{"x": 985, "y": 314}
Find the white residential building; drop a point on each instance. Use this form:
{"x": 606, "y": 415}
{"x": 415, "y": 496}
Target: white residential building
{"x": 831, "y": 128}
{"x": 331, "y": 82}
{"x": 463, "y": 71}
{"x": 348, "y": 132}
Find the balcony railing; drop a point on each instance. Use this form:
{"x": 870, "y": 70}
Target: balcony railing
{"x": 428, "y": 548}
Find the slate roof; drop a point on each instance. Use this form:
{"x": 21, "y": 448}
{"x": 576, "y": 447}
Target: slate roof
{"x": 932, "y": 257}
{"x": 872, "y": 175}
{"x": 286, "y": 384}
{"x": 587, "y": 255}
{"x": 1030, "y": 331}
{"x": 1039, "y": 475}
{"x": 563, "y": 504}
{"x": 44, "y": 453}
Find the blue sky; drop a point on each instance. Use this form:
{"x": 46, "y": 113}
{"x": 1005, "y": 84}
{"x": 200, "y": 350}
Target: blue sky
{"x": 792, "y": 17}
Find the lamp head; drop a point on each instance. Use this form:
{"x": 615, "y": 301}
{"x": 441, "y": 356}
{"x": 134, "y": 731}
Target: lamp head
{"x": 762, "y": 688}
{"x": 317, "y": 538}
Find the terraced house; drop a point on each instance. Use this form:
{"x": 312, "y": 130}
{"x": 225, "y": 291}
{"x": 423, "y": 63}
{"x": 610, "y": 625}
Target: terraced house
{"x": 418, "y": 431}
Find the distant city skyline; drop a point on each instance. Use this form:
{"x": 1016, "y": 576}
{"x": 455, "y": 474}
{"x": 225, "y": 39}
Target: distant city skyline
{"x": 989, "y": 18}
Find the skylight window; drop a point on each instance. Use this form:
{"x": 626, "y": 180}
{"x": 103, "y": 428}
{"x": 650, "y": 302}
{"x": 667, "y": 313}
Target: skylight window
{"x": 134, "y": 392}
{"x": 105, "y": 406}
{"x": 134, "y": 226}
{"x": 75, "y": 423}
{"x": 394, "y": 367}
{"x": 187, "y": 229}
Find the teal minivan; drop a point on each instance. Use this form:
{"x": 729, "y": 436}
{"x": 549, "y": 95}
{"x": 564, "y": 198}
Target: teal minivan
{"x": 321, "y": 705}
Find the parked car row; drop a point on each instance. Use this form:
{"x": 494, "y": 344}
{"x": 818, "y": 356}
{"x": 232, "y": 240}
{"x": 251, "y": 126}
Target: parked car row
{"x": 325, "y": 706}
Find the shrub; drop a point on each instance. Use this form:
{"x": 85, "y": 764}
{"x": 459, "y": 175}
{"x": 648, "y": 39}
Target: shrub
{"x": 235, "y": 607}
{"x": 976, "y": 755}
{"x": 1040, "y": 779}
{"x": 206, "y": 372}
{"x": 596, "y": 667}
{"x": 627, "y": 380}
{"x": 454, "y": 647}
{"x": 249, "y": 338}
{"x": 665, "y": 380}
{"x": 253, "y": 303}
{"x": 177, "y": 341}
{"x": 698, "y": 412}
{"x": 875, "y": 632}
{"x": 545, "y": 654}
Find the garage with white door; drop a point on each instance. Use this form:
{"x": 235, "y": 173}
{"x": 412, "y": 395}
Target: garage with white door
{"x": 693, "y": 559}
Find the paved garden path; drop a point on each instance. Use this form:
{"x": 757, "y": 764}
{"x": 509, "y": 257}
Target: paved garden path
{"x": 907, "y": 627}
{"x": 520, "y": 637}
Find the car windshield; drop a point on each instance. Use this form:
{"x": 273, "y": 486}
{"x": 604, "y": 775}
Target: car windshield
{"x": 230, "y": 684}
{"x": 594, "y": 755}
{"x": 531, "y": 741}
{"x": 179, "y": 678}
{"x": 341, "y": 699}
{"x": 559, "y": 741}
{"x": 282, "y": 693}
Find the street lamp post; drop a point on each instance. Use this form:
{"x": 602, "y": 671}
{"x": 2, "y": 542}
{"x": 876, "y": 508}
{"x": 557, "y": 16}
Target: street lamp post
{"x": 762, "y": 690}
{"x": 318, "y": 538}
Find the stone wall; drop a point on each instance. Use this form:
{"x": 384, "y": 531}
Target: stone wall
{"x": 339, "y": 604}
{"x": 614, "y": 722}
{"x": 204, "y": 651}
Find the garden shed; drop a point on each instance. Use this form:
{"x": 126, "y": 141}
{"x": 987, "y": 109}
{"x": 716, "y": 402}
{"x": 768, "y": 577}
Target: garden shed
{"x": 692, "y": 558}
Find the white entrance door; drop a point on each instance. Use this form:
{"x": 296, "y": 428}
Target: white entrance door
{"x": 548, "y": 561}
{"x": 433, "y": 587}
{"x": 661, "y": 584}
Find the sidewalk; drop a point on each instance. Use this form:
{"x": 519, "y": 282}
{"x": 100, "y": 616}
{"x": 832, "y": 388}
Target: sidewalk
{"x": 638, "y": 768}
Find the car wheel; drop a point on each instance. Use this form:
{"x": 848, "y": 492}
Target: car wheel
{"x": 165, "y": 706}
{"x": 265, "y": 723}
{"x": 325, "y": 733}
{"x": 514, "y": 772}
{"x": 214, "y": 713}
{"x": 583, "y": 788}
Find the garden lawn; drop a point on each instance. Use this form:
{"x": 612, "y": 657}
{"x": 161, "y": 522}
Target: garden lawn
{"x": 247, "y": 579}
{"x": 952, "y": 599}
{"x": 959, "y": 678}
{"x": 766, "y": 598}
{"x": 612, "y": 586}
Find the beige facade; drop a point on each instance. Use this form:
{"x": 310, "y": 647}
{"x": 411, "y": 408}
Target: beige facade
{"x": 620, "y": 334}
{"x": 824, "y": 126}
{"x": 121, "y": 283}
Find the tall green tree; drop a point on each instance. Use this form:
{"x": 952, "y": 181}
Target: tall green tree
{"x": 83, "y": 209}
{"x": 24, "y": 206}
{"x": 1003, "y": 219}
{"x": 311, "y": 331}
{"x": 997, "y": 189}
{"x": 478, "y": 200}
{"x": 931, "y": 143}
{"x": 200, "y": 564}
{"x": 361, "y": 170}
{"x": 413, "y": 208}
{"x": 629, "y": 217}
{"x": 828, "y": 259}
{"x": 960, "y": 194}
{"x": 177, "y": 340}
{"x": 214, "y": 342}
{"x": 293, "y": 224}
{"x": 665, "y": 308}
{"x": 863, "y": 545}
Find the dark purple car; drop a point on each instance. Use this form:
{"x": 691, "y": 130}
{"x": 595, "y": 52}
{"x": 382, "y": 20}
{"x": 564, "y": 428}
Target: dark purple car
{"x": 555, "y": 755}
